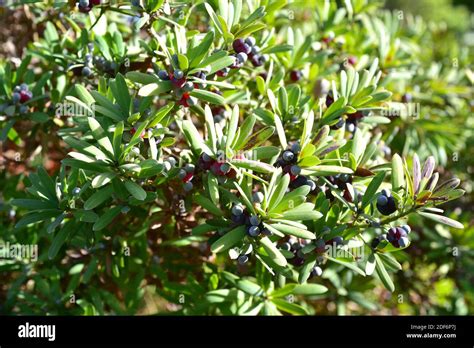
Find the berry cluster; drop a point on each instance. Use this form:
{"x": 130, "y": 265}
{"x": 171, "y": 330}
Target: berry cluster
{"x": 21, "y": 94}
{"x": 295, "y": 247}
{"x": 103, "y": 65}
{"x": 222, "y": 170}
{"x": 253, "y": 223}
{"x": 288, "y": 162}
{"x": 386, "y": 204}
{"x": 249, "y": 48}
{"x": 397, "y": 236}
{"x": 182, "y": 87}
{"x": 341, "y": 181}
{"x": 186, "y": 175}
{"x": 86, "y": 5}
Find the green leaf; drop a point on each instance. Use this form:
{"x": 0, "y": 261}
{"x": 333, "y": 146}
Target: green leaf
{"x": 198, "y": 52}
{"x": 213, "y": 186}
{"x": 280, "y": 131}
{"x": 302, "y": 212}
{"x": 142, "y": 78}
{"x": 257, "y": 166}
{"x": 107, "y": 218}
{"x": 232, "y": 126}
{"x": 117, "y": 140}
{"x": 284, "y": 291}
{"x": 208, "y": 205}
{"x": 98, "y": 197}
{"x": 99, "y": 134}
{"x": 372, "y": 189}
{"x": 442, "y": 219}
{"x": 245, "y": 132}
{"x": 214, "y": 18}
{"x": 60, "y": 239}
{"x": 398, "y": 176}
{"x": 135, "y": 190}
{"x": 325, "y": 170}
{"x": 279, "y": 192}
{"x": 310, "y": 289}
{"x": 84, "y": 94}
{"x": 349, "y": 265}
{"x": 229, "y": 239}
{"x": 289, "y": 307}
{"x": 383, "y": 274}
{"x": 33, "y": 204}
{"x": 121, "y": 94}
{"x": 194, "y": 138}
{"x": 102, "y": 179}
{"x": 273, "y": 252}
{"x": 370, "y": 265}
{"x": 32, "y": 218}
{"x": 208, "y": 96}
{"x": 155, "y": 88}
{"x": 306, "y": 271}
{"x": 293, "y": 231}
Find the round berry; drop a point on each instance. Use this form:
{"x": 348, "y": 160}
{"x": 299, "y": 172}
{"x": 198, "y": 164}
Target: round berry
{"x": 242, "y": 259}
{"x": 24, "y": 87}
{"x": 178, "y": 74}
{"x": 254, "y": 220}
{"x": 242, "y": 57}
{"x": 286, "y": 246}
{"x": 338, "y": 240}
{"x": 237, "y": 210}
{"x": 382, "y": 200}
{"x": 76, "y": 191}
{"x": 295, "y": 147}
{"x": 125, "y": 210}
{"x": 84, "y": 3}
{"x": 254, "y": 231}
{"x": 403, "y": 242}
{"x": 406, "y": 228}
{"x": 86, "y": 71}
{"x": 188, "y": 186}
{"x": 225, "y": 168}
{"x": 288, "y": 156}
{"x": 257, "y": 197}
{"x": 163, "y": 75}
{"x": 255, "y": 60}
{"x": 295, "y": 170}
{"x": 189, "y": 168}
{"x": 255, "y": 50}
{"x": 295, "y": 75}
{"x": 182, "y": 174}
{"x": 16, "y": 97}
{"x": 339, "y": 124}
{"x": 311, "y": 184}
{"x": 223, "y": 72}
{"x": 267, "y": 232}
{"x": 188, "y": 87}
{"x": 23, "y": 109}
{"x": 250, "y": 41}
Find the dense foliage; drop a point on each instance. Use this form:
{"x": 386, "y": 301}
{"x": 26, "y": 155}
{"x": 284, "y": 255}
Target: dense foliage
{"x": 235, "y": 157}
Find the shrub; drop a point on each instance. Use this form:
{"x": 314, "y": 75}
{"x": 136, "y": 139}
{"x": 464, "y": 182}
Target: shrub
{"x": 222, "y": 157}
